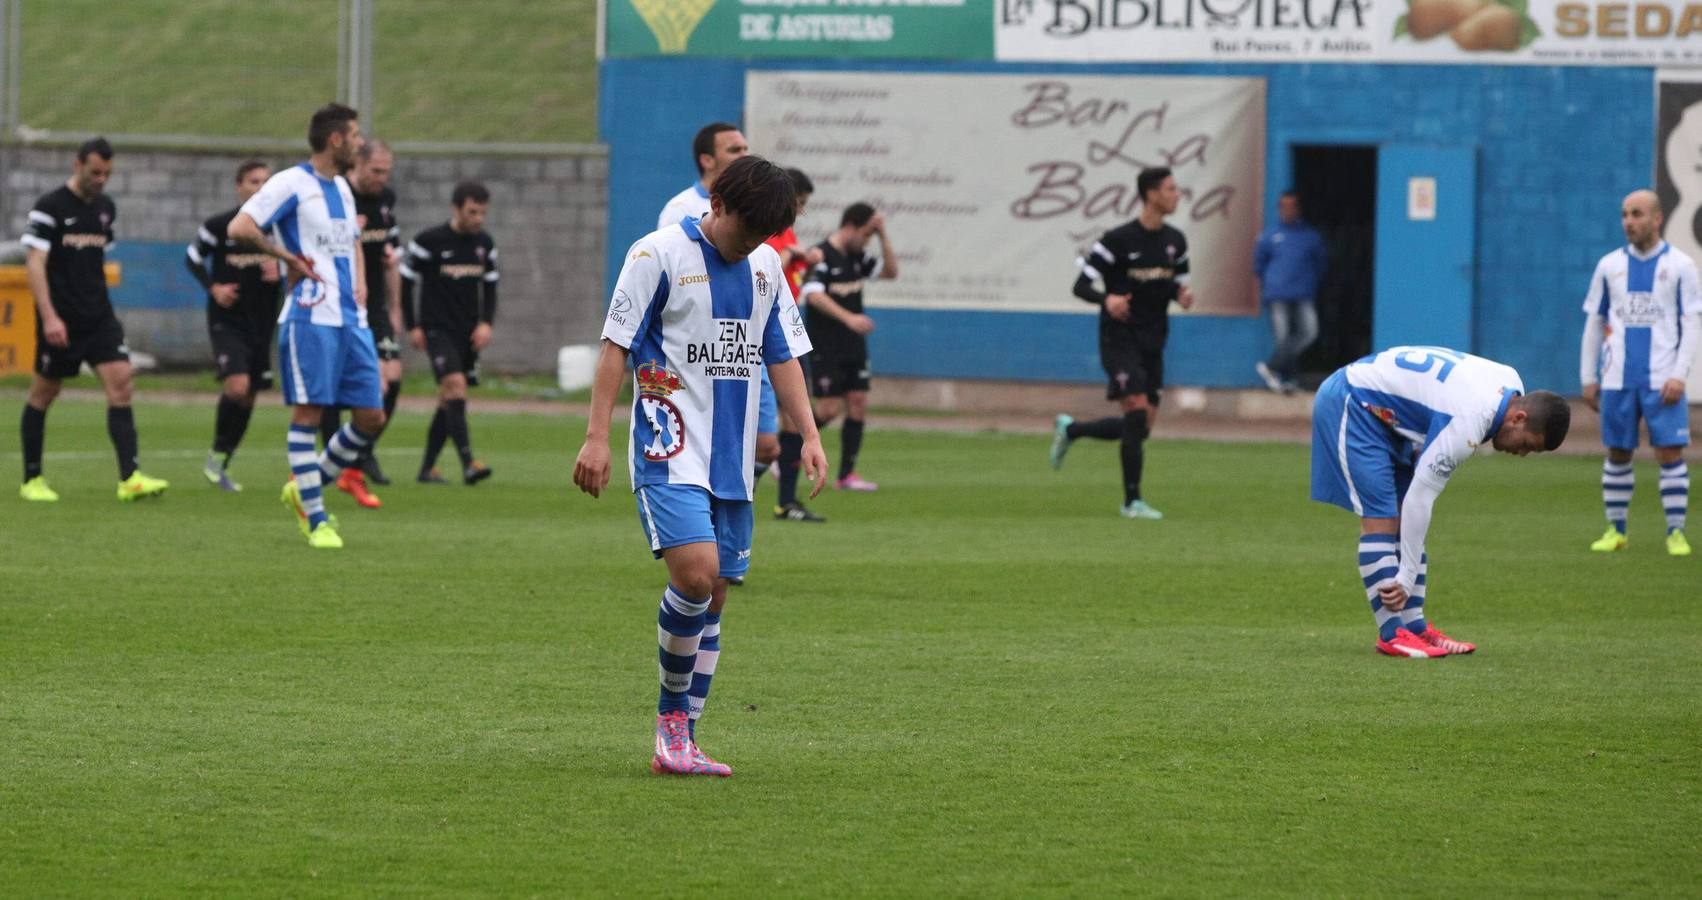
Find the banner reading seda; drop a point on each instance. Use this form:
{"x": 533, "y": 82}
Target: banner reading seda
{"x": 993, "y": 185}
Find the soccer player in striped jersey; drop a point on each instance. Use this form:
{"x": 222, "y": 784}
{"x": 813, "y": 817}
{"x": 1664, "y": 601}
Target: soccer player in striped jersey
{"x": 1388, "y": 432}
{"x": 242, "y": 312}
{"x": 1642, "y": 314}
{"x": 699, "y": 310}
{"x": 325, "y": 348}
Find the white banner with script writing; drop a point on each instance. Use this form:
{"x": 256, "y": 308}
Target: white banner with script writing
{"x": 992, "y": 185}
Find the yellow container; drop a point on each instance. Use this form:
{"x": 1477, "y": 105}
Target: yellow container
{"x": 17, "y": 318}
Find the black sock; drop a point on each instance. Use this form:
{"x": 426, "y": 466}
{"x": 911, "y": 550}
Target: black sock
{"x": 850, "y": 444}
{"x": 33, "y": 430}
{"x": 791, "y": 454}
{"x": 330, "y": 419}
{"x": 1134, "y": 434}
{"x": 392, "y": 390}
{"x": 434, "y": 441}
{"x": 121, "y": 427}
{"x": 229, "y": 426}
{"x": 455, "y": 419}
{"x": 1109, "y": 428}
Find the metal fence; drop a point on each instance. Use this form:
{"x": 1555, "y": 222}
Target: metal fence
{"x": 425, "y": 74}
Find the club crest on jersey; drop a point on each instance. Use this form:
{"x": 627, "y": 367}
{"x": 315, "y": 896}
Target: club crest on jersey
{"x": 308, "y": 293}
{"x": 667, "y": 426}
{"x": 762, "y": 282}
{"x": 105, "y": 220}
{"x": 480, "y": 251}
{"x": 1383, "y": 414}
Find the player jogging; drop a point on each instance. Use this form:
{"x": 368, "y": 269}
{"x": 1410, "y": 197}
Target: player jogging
{"x": 65, "y": 243}
{"x": 1642, "y": 314}
{"x": 1142, "y": 266}
{"x": 699, "y": 309}
{"x": 453, "y": 266}
{"x": 1387, "y": 433}
{"x": 839, "y": 329}
{"x": 380, "y": 244}
{"x": 242, "y": 312}
{"x": 325, "y": 349}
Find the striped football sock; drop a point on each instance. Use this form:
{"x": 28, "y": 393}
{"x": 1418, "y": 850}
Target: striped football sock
{"x": 1412, "y": 614}
{"x": 1379, "y": 562}
{"x": 304, "y": 463}
{"x": 1617, "y": 482}
{"x": 708, "y": 654}
{"x": 679, "y": 628}
{"x": 1675, "y": 493}
{"x": 342, "y": 451}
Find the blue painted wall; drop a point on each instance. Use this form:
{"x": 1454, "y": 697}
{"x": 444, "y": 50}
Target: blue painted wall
{"x": 1558, "y": 148}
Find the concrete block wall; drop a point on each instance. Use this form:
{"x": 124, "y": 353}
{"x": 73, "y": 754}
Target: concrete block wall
{"x": 548, "y": 215}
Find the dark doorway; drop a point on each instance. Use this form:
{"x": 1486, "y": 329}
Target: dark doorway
{"x": 1338, "y": 195}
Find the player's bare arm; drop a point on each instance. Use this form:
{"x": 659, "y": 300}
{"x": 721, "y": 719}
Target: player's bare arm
{"x": 1672, "y": 391}
{"x": 360, "y": 274}
{"x": 224, "y": 294}
{"x": 393, "y": 289}
{"x": 889, "y": 259}
{"x": 244, "y": 230}
{"x": 789, "y": 389}
{"x": 52, "y": 327}
{"x": 591, "y": 468}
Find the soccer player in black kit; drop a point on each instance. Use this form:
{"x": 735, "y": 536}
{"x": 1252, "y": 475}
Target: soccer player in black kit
{"x": 242, "y": 313}
{"x": 839, "y": 365}
{"x": 65, "y": 242}
{"x": 453, "y": 267}
{"x": 1143, "y": 265}
{"x": 380, "y": 243}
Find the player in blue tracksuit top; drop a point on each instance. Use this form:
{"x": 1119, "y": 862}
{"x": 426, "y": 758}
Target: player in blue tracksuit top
{"x": 1387, "y": 433}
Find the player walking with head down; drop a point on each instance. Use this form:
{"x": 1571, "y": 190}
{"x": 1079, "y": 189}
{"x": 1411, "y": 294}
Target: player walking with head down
{"x": 1387, "y": 433}
{"x": 1142, "y": 265}
{"x": 1643, "y": 314}
{"x": 242, "y": 312}
{"x": 454, "y": 268}
{"x": 699, "y": 310}
{"x": 324, "y": 345}
{"x": 70, "y": 229}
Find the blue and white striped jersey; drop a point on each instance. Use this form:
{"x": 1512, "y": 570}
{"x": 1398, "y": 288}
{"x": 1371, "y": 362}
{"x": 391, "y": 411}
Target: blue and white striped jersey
{"x": 1447, "y": 404}
{"x": 693, "y": 202}
{"x": 1646, "y": 305}
{"x": 314, "y": 217}
{"x": 700, "y": 331}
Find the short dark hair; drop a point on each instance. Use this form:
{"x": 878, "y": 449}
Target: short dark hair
{"x": 801, "y": 183}
{"x": 705, "y": 141}
{"x": 1547, "y": 414}
{"x": 1150, "y": 179}
{"x": 249, "y": 166}
{"x": 469, "y": 190}
{"x": 857, "y": 215}
{"x": 96, "y": 146}
{"x": 372, "y": 147}
{"x": 327, "y": 120}
{"x": 759, "y": 193}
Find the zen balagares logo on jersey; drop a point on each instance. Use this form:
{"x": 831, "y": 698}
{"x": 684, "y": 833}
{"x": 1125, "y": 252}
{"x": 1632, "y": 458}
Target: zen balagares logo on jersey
{"x": 338, "y": 241}
{"x": 730, "y": 355}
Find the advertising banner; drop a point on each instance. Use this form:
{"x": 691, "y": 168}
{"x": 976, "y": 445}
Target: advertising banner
{"x": 917, "y": 29}
{"x": 1498, "y": 32}
{"x": 1678, "y": 168}
{"x": 993, "y": 185}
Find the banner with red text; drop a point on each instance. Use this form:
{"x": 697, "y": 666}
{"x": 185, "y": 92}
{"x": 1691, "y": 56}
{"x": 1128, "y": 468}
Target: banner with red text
{"x": 993, "y": 185}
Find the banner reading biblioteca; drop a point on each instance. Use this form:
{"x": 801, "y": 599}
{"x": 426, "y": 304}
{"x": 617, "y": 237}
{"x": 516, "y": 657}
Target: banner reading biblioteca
{"x": 993, "y": 185}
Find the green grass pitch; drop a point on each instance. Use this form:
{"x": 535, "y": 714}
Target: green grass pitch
{"x": 978, "y": 681}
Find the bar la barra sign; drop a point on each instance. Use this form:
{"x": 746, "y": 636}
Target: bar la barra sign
{"x": 915, "y": 29}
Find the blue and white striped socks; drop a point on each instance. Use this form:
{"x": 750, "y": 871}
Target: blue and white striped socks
{"x": 1412, "y": 614}
{"x": 1675, "y": 494}
{"x": 1379, "y": 563}
{"x": 343, "y": 451}
{"x": 703, "y": 671}
{"x": 1617, "y": 482}
{"x": 679, "y": 630}
{"x": 304, "y": 463}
